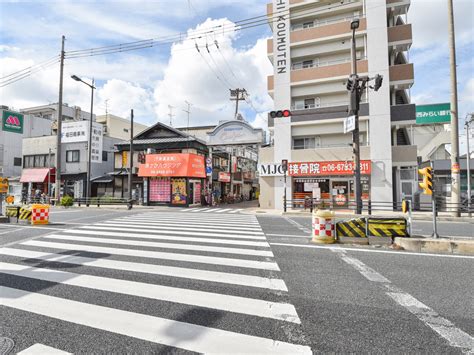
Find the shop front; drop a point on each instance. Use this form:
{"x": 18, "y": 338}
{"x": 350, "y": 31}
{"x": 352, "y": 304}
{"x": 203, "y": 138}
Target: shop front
{"x": 329, "y": 182}
{"x": 173, "y": 179}
{"x": 37, "y": 181}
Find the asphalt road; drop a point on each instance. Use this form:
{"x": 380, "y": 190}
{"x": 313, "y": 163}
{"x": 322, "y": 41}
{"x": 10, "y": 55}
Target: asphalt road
{"x": 177, "y": 281}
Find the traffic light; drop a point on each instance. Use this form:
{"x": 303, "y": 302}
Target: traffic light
{"x": 281, "y": 113}
{"x": 284, "y": 165}
{"x": 378, "y": 82}
{"x": 351, "y": 83}
{"x": 427, "y": 184}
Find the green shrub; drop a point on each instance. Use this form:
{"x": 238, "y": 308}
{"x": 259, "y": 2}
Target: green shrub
{"x": 67, "y": 201}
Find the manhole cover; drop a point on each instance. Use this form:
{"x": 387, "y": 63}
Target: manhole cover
{"x": 6, "y": 345}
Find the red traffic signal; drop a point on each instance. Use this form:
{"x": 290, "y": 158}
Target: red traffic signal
{"x": 281, "y": 113}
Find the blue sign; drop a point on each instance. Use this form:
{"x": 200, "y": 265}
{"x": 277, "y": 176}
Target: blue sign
{"x": 208, "y": 170}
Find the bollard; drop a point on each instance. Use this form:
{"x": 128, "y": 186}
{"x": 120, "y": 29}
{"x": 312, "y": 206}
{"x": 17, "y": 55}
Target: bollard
{"x": 323, "y": 227}
{"x": 39, "y": 214}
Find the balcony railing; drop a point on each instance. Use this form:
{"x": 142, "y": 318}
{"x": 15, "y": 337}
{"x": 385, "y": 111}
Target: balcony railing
{"x": 322, "y": 105}
{"x": 326, "y": 63}
{"x": 319, "y": 23}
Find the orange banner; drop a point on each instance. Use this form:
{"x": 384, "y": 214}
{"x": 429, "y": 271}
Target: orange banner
{"x": 179, "y": 165}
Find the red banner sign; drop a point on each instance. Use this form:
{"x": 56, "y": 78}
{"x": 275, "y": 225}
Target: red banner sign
{"x": 180, "y": 164}
{"x": 325, "y": 168}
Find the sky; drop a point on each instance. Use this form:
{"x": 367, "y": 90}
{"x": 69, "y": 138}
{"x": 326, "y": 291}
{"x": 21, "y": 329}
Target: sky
{"x": 150, "y": 80}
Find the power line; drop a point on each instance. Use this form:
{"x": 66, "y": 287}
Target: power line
{"x": 32, "y": 67}
{"x": 211, "y": 69}
{"x": 24, "y": 75}
{"x": 228, "y": 84}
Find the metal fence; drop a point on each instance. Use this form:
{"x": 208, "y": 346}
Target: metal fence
{"x": 369, "y": 206}
{"x": 106, "y": 200}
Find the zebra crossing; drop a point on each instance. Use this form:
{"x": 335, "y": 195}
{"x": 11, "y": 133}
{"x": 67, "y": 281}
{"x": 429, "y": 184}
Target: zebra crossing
{"x": 198, "y": 282}
{"x": 212, "y": 210}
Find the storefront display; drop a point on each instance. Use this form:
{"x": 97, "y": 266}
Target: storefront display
{"x": 179, "y": 192}
{"x": 160, "y": 189}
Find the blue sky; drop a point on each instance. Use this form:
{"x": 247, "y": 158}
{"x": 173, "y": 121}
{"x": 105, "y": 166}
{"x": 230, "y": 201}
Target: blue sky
{"x": 149, "y": 80}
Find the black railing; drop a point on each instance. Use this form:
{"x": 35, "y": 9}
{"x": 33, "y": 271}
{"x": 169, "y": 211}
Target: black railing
{"x": 105, "y": 200}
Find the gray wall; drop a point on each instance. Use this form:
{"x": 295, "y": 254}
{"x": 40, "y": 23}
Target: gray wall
{"x": 11, "y": 143}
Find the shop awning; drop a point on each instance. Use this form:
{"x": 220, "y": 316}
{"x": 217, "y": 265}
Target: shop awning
{"x": 34, "y": 175}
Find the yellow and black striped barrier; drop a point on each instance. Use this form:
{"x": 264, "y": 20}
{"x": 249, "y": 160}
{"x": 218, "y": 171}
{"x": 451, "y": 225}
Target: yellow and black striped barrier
{"x": 387, "y": 227}
{"x": 11, "y": 211}
{"x": 25, "y": 213}
{"x": 354, "y": 227}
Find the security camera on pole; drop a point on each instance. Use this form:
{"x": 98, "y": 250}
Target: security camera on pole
{"x": 356, "y": 86}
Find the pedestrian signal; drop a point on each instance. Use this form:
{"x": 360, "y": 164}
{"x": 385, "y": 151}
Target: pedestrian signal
{"x": 427, "y": 184}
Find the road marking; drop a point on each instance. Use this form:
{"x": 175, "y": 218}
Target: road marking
{"x": 11, "y": 230}
{"x": 200, "y": 259}
{"x": 174, "y": 271}
{"x": 177, "y": 232}
{"x": 143, "y": 235}
{"x": 199, "y": 209}
{"x": 40, "y": 349}
{"x": 34, "y": 227}
{"x": 374, "y": 251}
{"x": 189, "y": 221}
{"x": 73, "y": 211}
{"x": 180, "y": 223}
{"x": 224, "y": 250}
{"x": 298, "y": 225}
{"x": 217, "y": 218}
{"x": 288, "y": 235}
{"x": 369, "y": 273}
{"x": 455, "y": 336}
{"x": 281, "y": 311}
{"x": 179, "y": 228}
{"x": 154, "y": 329}
{"x": 192, "y": 218}
{"x": 236, "y": 210}
{"x": 224, "y": 210}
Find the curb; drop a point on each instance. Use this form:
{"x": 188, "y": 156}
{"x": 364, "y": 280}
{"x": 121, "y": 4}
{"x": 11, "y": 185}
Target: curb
{"x": 439, "y": 245}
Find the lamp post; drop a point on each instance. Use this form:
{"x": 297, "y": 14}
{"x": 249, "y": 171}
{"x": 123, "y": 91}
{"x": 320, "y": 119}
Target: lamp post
{"x": 468, "y": 163}
{"x": 354, "y": 107}
{"x": 89, "y": 142}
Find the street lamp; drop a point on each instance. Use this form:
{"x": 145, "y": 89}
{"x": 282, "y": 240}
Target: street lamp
{"x": 89, "y": 144}
{"x": 355, "y": 112}
{"x": 468, "y": 163}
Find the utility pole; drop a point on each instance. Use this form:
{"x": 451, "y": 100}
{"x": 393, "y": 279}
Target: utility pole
{"x": 235, "y": 95}
{"x": 170, "y": 115}
{"x": 130, "y": 171}
{"x": 89, "y": 148}
{"x": 188, "y": 111}
{"x": 57, "y": 191}
{"x": 355, "y": 132}
{"x": 455, "y": 169}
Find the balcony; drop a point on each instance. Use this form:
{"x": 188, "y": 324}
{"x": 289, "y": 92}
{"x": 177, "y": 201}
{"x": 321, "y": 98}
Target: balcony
{"x": 321, "y": 73}
{"x": 320, "y": 30}
{"x": 326, "y": 72}
{"x": 400, "y": 37}
{"x": 401, "y": 76}
{"x": 398, "y": 7}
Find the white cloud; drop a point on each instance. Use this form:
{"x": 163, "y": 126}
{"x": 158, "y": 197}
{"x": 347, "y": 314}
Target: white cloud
{"x": 188, "y": 76}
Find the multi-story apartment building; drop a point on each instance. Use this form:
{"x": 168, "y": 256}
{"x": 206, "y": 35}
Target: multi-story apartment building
{"x": 118, "y": 127}
{"x": 311, "y": 55}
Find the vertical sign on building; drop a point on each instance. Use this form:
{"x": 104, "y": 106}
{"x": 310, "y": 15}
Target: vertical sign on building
{"x": 97, "y": 142}
{"x": 12, "y": 122}
{"x": 281, "y": 91}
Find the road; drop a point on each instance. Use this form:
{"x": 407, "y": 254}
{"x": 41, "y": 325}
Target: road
{"x": 222, "y": 280}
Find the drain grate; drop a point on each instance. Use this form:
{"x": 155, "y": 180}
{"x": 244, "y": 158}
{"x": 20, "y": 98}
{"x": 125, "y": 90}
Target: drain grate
{"x": 6, "y": 345}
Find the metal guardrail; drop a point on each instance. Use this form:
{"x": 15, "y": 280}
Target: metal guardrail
{"x": 98, "y": 201}
{"x": 370, "y": 206}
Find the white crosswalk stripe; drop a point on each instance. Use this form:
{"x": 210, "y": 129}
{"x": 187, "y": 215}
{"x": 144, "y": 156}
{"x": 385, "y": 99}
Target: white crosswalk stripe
{"x": 211, "y": 210}
{"x": 217, "y": 262}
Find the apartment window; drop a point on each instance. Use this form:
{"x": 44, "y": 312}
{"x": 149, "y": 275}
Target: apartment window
{"x": 308, "y": 64}
{"x": 72, "y": 156}
{"x": 40, "y": 161}
{"x": 16, "y": 161}
{"x": 29, "y": 161}
{"x": 105, "y": 155}
{"x": 308, "y": 24}
{"x": 304, "y": 143}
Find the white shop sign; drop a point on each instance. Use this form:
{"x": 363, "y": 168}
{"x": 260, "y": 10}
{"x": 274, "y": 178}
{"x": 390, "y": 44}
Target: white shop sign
{"x": 270, "y": 169}
{"x": 78, "y": 131}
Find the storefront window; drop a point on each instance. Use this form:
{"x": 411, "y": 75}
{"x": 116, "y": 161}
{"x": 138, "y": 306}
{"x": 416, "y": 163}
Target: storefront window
{"x": 160, "y": 189}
